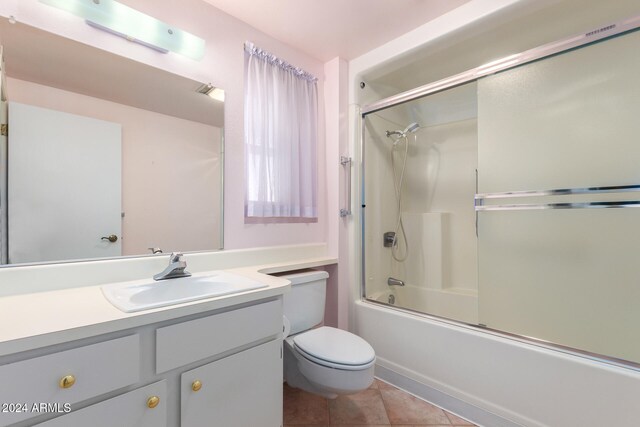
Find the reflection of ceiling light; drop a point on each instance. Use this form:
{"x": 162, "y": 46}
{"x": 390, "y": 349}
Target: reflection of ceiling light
{"x": 109, "y": 15}
{"x": 125, "y": 36}
{"x": 212, "y": 91}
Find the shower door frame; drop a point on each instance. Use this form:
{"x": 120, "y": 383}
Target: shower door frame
{"x": 550, "y": 49}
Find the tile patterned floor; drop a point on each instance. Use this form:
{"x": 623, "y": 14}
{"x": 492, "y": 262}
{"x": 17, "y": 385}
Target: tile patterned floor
{"x": 379, "y": 405}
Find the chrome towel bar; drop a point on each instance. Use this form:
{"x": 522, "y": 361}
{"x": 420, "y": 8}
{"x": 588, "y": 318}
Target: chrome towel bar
{"x": 583, "y": 205}
{"x": 559, "y": 192}
{"x": 481, "y": 198}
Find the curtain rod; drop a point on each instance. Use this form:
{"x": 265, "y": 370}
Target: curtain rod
{"x": 272, "y": 59}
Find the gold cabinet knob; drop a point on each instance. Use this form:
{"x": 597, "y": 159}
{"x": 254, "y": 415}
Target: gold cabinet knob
{"x": 153, "y": 401}
{"x": 67, "y": 381}
{"x": 196, "y": 385}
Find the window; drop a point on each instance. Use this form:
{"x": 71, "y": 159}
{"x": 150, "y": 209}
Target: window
{"x": 281, "y": 104}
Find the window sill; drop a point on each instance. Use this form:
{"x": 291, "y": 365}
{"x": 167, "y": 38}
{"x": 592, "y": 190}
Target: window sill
{"x": 278, "y": 220}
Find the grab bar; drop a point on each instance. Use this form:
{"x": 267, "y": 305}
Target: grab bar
{"x": 346, "y": 161}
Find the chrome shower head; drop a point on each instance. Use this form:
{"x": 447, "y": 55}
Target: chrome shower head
{"x": 403, "y": 133}
{"x": 411, "y": 128}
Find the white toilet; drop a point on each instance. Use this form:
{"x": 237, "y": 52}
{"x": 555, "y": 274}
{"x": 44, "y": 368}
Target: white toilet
{"x": 324, "y": 361}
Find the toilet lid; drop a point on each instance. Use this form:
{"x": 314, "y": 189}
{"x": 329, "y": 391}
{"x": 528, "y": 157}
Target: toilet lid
{"x": 335, "y": 346}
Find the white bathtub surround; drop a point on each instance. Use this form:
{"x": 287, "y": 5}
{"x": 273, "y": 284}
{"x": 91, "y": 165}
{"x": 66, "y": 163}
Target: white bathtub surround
{"x": 451, "y": 303}
{"x": 440, "y": 269}
{"x": 424, "y": 260}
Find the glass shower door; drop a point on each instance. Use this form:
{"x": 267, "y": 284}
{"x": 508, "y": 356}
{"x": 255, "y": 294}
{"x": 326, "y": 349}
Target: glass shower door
{"x": 419, "y": 222}
{"x": 563, "y": 266}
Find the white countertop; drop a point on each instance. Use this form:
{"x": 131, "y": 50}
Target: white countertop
{"x": 41, "y": 319}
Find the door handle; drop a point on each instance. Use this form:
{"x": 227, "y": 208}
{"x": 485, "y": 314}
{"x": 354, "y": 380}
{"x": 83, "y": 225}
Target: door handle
{"x": 112, "y": 238}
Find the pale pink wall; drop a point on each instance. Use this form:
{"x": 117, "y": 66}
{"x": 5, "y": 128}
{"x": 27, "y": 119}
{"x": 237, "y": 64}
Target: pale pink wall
{"x": 223, "y": 66}
{"x": 170, "y": 192}
{"x": 336, "y": 108}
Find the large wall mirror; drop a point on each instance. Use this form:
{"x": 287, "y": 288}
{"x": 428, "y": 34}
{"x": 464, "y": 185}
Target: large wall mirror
{"x": 105, "y": 156}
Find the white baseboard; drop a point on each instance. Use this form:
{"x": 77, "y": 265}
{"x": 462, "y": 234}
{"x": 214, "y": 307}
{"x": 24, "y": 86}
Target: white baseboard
{"x": 445, "y": 401}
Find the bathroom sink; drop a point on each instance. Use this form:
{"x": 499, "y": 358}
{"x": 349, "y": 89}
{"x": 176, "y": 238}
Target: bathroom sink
{"x": 147, "y": 294}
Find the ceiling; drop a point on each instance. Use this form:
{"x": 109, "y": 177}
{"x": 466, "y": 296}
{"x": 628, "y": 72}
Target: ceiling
{"x": 325, "y": 29}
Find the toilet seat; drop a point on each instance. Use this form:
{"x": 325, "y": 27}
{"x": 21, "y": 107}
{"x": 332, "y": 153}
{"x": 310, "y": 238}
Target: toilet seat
{"x": 335, "y": 348}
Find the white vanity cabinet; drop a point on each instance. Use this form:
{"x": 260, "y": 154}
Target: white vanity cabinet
{"x": 241, "y": 390}
{"x": 144, "y": 407}
{"x": 220, "y": 367}
{"x": 67, "y": 377}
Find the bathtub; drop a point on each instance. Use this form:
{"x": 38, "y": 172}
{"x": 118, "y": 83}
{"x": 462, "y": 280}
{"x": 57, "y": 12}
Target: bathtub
{"x": 460, "y": 304}
{"x": 488, "y": 378}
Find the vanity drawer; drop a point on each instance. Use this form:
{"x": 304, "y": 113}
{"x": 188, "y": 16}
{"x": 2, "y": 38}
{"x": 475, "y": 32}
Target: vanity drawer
{"x": 187, "y": 342}
{"x": 90, "y": 371}
{"x": 133, "y": 409}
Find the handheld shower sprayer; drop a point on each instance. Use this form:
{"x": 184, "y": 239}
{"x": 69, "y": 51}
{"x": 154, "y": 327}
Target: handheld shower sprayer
{"x": 403, "y": 133}
{"x": 400, "y": 136}
{"x": 411, "y": 128}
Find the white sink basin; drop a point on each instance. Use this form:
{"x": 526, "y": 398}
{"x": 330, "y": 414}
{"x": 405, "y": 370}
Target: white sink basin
{"x": 147, "y": 294}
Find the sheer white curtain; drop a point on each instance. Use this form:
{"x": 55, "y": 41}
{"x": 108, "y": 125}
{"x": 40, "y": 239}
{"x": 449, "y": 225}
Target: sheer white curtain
{"x": 281, "y": 103}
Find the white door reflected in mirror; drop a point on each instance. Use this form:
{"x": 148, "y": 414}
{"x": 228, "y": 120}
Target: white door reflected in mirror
{"x": 64, "y": 186}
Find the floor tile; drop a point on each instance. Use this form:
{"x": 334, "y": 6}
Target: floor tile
{"x": 365, "y": 407}
{"x": 385, "y": 386}
{"x": 302, "y": 408}
{"x": 380, "y": 405}
{"x": 457, "y": 421}
{"x": 403, "y": 408}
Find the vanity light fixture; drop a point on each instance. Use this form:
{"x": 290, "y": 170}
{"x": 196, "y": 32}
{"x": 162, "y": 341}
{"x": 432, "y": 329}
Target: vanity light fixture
{"x": 135, "y": 26}
{"x": 212, "y": 91}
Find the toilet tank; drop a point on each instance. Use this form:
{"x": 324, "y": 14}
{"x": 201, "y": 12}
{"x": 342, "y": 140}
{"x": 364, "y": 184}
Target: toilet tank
{"x": 304, "y": 305}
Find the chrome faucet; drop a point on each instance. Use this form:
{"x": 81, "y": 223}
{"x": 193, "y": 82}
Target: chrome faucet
{"x": 394, "y": 282}
{"x": 176, "y": 268}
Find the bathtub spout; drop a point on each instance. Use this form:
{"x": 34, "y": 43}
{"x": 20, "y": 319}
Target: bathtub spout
{"x": 394, "y": 282}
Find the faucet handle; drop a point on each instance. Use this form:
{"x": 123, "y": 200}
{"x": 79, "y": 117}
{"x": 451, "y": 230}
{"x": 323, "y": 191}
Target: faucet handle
{"x": 175, "y": 257}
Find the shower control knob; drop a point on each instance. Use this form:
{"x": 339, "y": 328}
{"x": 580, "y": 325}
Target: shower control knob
{"x": 389, "y": 239}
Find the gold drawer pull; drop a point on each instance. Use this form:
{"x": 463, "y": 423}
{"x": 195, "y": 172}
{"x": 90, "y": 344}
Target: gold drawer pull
{"x": 196, "y": 385}
{"x": 67, "y": 381}
{"x": 153, "y": 401}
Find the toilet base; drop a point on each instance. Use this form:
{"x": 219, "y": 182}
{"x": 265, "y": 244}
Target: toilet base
{"x": 298, "y": 371}
{"x": 295, "y": 379}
